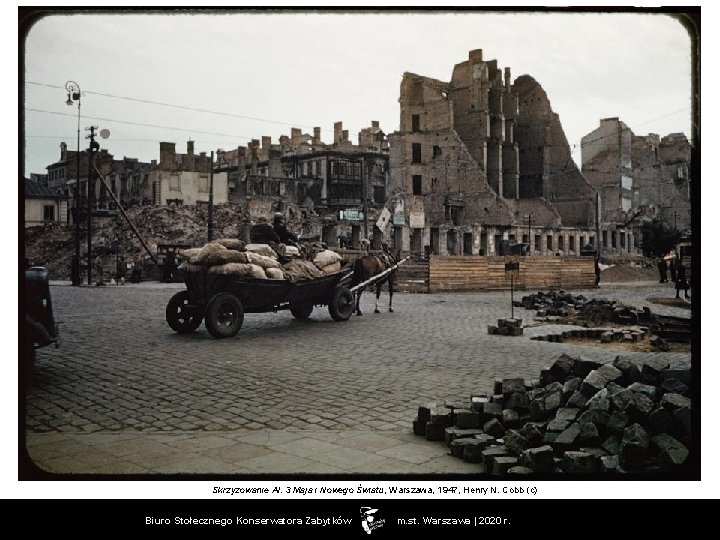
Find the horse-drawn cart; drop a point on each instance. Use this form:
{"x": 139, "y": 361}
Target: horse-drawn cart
{"x": 222, "y": 300}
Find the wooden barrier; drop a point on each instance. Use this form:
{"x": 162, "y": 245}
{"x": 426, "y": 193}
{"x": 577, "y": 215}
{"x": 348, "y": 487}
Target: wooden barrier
{"x": 477, "y": 273}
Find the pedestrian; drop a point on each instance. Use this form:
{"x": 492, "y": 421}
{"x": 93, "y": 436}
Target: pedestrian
{"x": 681, "y": 282}
{"x": 99, "y": 270}
{"x": 673, "y": 269}
{"x": 136, "y": 274}
{"x": 597, "y": 269}
{"x": 662, "y": 270}
{"x": 263, "y": 233}
{"x": 286, "y": 236}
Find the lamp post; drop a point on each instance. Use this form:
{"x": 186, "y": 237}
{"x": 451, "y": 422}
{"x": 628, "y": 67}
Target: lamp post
{"x": 530, "y": 219}
{"x": 73, "y": 94}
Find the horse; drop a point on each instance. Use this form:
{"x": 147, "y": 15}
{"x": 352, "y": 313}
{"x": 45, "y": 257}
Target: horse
{"x": 368, "y": 266}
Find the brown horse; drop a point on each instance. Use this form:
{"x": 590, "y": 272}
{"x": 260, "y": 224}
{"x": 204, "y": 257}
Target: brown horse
{"x": 368, "y": 266}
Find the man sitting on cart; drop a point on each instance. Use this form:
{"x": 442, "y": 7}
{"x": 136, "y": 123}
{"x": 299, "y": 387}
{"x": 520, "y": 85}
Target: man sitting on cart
{"x": 263, "y": 233}
{"x": 286, "y": 236}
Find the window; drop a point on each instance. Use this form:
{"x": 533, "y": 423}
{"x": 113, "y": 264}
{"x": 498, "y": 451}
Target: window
{"x": 525, "y": 239}
{"x": 549, "y": 242}
{"x": 203, "y": 183}
{"x": 437, "y": 151}
{"x": 537, "y": 242}
{"x": 379, "y": 194}
{"x": 48, "y": 212}
{"x": 175, "y": 182}
{"x": 417, "y": 184}
{"x": 604, "y": 238}
{"x": 571, "y": 247}
{"x": 416, "y": 153}
{"x": 415, "y": 122}
{"x": 622, "y": 239}
{"x": 592, "y": 241}
{"x": 561, "y": 243}
{"x": 614, "y": 238}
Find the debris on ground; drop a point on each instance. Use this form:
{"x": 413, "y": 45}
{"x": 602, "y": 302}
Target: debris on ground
{"x": 579, "y": 417}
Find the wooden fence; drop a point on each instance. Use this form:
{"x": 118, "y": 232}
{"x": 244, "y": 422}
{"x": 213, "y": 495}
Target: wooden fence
{"x": 476, "y": 273}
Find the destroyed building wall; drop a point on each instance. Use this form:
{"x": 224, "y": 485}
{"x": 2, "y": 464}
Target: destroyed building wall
{"x": 456, "y": 165}
{"x": 546, "y": 165}
{"x": 638, "y": 177}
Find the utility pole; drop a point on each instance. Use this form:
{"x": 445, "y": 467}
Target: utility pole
{"x": 90, "y": 189}
{"x": 73, "y": 93}
{"x": 210, "y": 200}
{"x": 530, "y": 219}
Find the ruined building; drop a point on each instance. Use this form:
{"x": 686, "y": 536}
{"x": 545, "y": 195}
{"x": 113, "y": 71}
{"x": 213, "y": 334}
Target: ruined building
{"x": 127, "y": 178}
{"x": 637, "y": 177}
{"x": 331, "y": 189}
{"x": 184, "y": 178}
{"x": 480, "y": 161}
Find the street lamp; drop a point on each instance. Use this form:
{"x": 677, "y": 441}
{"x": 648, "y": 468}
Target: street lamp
{"x": 530, "y": 219}
{"x": 73, "y": 94}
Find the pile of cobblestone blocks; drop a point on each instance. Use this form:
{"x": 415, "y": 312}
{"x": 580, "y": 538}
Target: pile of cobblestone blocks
{"x": 580, "y": 416}
{"x": 506, "y": 327}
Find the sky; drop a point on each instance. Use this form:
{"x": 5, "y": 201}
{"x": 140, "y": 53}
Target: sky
{"x": 263, "y": 73}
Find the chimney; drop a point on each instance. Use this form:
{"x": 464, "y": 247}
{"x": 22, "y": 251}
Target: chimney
{"x": 375, "y": 123}
{"x": 475, "y": 56}
{"x": 241, "y": 160}
{"x": 337, "y": 132}
{"x": 507, "y": 78}
{"x": 254, "y": 156}
{"x": 295, "y": 134}
{"x": 345, "y": 135}
{"x": 266, "y": 142}
{"x": 167, "y": 154}
{"x": 316, "y": 136}
{"x": 191, "y": 148}
{"x": 63, "y": 151}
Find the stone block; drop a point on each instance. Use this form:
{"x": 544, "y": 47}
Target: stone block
{"x": 504, "y": 331}
{"x": 510, "y": 386}
{"x": 539, "y": 459}
{"x": 598, "y": 379}
{"x": 661, "y": 420}
{"x": 609, "y": 464}
{"x": 600, "y": 400}
{"x": 634, "y": 447}
{"x": 492, "y": 410}
{"x": 424, "y": 411}
{"x": 640, "y": 407}
{"x": 630, "y": 371}
{"x": 518, "y": 401}
{"x": 568, "y": 438}
{"x": 473, "y": 453}
{"x": 441, "y": 416}
{"x": 419, "y": 427}
{"x": 485, "y": 439}
{"x": 493, "y": 452}
{"x": 589, "y": 434}
{"x": 515, "y": 331}
{"x": 578, "y": 463}
{"x": 570, "y": 386}
{"x": 550, "y": 437}
{"x": 612, "y": 444}
{"x": 546, "y": 376}
{"x": 492, "y": 329}
{"x": 457, "y": 447}
{"x": 497, "y": 386}
{"x": 467, "y": 419}
{"x": 532, "y": 433}
{"x": 435, "y": 432}
{"x": 649, "y": 390}
{"x": 519, "y": 470}
{"x": 659, "y": 344}
{"x": 607, "y": 337}
{"x": 515, "y": 442}
{"x": 510, "y": 418}
{"x": 562, "y": 367}
{"x": 672, "y": 402}
{"x": 675, "y": 386}
{"x": 513, "y": 323}
{"x": 651, "y": 371}
{"x": 681, "y": 374}
{"x": 617, "y": 422}
{"x": 671, "y": 453}
{"x": 453, "y": 433}
{"x": 553, "y": 401}
{"x": 558, "y": 426}
{"x": 477, "y": 403}
{"x": 622, "y": 400}
{"x": 502, "y": 464}
{"x": 613, "y": 388}
{"x": 577, "y": 400}
{"x": 566, "y": 414}
{"x": 494, "y": 428}
{"x": 599, "y": 417}
{"x": 583, "y": 367}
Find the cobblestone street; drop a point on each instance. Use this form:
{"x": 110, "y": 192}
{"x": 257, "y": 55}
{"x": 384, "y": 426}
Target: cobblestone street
{"x": 124, "y": 385}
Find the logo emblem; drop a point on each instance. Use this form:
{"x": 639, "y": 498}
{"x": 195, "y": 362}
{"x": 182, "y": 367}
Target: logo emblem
{"x": 368, "y": 520}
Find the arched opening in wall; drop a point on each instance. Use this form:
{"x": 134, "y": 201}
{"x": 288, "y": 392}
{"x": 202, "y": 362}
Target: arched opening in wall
{"x": 416, "y": 237}
{"x": 452, "y": 242}
{"x": 467, "y": 243}
{"x": 435, "y": 240}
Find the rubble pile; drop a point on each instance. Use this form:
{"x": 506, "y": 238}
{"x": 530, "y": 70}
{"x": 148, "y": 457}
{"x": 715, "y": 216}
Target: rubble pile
{"x": 580, "y": 416}
{"x": 230, "y": 256}
{"x": 53, "y": 245}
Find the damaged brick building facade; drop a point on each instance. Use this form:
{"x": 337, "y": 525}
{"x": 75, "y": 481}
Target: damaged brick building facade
{"x": 479, "y": 161}
{"x": 327, "y": 189}
{"x": 637, "y": 177}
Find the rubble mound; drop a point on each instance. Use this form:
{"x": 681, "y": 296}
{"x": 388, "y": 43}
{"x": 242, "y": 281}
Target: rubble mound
{"x": 626, "y": 273}
{"x": 579, "y": 417}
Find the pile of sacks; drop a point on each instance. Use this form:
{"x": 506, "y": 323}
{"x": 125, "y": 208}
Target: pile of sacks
{"x": 230, "y": 256}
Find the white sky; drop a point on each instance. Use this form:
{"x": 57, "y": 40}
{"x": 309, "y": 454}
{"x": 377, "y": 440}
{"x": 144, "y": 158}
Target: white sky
{"x": 308, "y": 69}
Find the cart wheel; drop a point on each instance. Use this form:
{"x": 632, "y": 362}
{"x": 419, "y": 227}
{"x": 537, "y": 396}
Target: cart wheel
{"x": 224, "y": 315}
{"x": 179, "y": 316}
{"x": 301, "y": 311}
{"x": 342, "y": 305}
